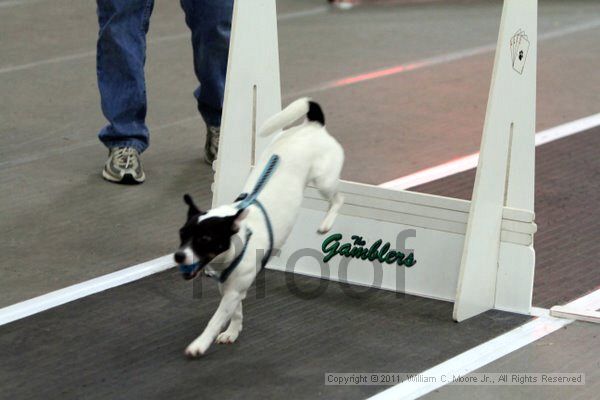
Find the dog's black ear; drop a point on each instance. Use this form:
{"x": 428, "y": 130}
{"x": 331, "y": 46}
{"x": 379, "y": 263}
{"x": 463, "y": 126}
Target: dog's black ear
{"x": 193, "y": 209}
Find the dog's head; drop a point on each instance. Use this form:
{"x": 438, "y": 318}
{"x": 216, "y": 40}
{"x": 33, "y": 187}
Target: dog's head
{"x": 206, "y": 235}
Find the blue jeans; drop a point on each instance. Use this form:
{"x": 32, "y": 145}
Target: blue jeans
{"x": 121, "y": 55}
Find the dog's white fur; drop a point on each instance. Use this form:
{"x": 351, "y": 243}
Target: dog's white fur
{"x": 308, "y": 155}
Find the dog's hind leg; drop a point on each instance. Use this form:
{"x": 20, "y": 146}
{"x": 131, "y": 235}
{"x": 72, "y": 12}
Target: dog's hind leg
{"x": 325, "y": 176}
{"x": 327, "y": 186}
{"x": 234, "y": 328}
{"x": 335, "y": 203}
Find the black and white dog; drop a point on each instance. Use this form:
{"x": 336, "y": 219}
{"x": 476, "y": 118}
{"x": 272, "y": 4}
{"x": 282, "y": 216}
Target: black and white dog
{"x": 307, "y": 155}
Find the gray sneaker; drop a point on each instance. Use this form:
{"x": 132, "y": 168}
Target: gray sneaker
{"x": 124, "y": 166}
{"x": 343, "y": 4}
{"x": 211, "y": 147}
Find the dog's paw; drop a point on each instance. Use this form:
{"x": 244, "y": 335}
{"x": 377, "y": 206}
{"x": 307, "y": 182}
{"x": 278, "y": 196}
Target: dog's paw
{"x": 323, "y": 229}
{"x": 326, "y": 225}
{"x": 195, "y": 349}
{"x": 227, "y": 337}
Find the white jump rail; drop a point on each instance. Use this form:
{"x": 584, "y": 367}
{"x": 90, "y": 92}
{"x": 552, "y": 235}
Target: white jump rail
{"x": 478, "y": 254}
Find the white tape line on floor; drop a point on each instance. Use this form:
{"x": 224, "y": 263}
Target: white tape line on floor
{"x": 83, "y": 289}
{"x": 483, "y": 354}
{"x": 470, "y": 161}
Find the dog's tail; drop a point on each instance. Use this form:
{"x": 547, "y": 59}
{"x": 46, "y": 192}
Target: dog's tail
{"x": 294, "y": 111}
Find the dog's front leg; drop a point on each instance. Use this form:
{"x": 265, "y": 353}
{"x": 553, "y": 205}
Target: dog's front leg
{"x": 229, "y": 304}
{"x": 234, "y": 328}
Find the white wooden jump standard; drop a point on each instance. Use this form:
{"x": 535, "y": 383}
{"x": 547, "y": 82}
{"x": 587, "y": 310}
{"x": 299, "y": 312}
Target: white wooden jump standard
{"x": 478, "y": 254}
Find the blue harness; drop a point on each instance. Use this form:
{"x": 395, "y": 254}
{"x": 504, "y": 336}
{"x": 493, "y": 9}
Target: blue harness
{"x": 245, "y": 201}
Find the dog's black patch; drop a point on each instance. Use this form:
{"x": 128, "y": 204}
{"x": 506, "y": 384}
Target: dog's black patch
{"x": 208, "y": 237}
{"x": 315, "y": 113}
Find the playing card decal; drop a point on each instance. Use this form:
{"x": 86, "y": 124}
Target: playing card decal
{"x": 519, "y": 47}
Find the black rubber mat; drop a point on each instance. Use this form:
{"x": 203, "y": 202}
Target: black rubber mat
{"x": 128, "y": 342}
{"x": 567, "y": 214}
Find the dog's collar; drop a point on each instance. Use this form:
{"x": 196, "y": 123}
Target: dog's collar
{"x": 268, "y": 225}
{"x": 222, "y": 277}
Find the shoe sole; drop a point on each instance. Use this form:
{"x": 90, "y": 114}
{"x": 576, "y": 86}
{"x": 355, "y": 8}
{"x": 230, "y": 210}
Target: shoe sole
{"x": 127, "y": 179}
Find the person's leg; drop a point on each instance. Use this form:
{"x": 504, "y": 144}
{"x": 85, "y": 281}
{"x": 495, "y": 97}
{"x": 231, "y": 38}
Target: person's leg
{"x": 210, "y": 24}
{"x": 121, "y": 54}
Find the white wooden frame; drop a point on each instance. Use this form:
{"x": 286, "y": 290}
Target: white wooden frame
{"x": 576, "y": 314}
{"x": 478, "y": 254}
